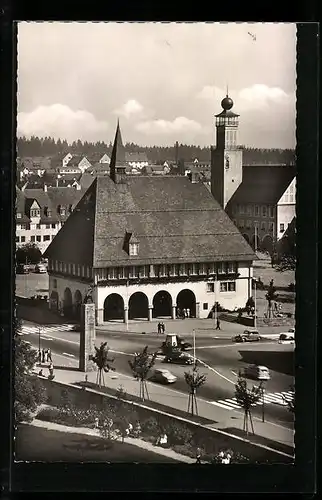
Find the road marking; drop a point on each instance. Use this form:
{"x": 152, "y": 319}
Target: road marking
{"x": 217, "y": 373}
{"x": 270, "y": 398}
{"x": 67, "y": 354}
{"x": 234, "y": 373}
{"x": 44, "y": 337}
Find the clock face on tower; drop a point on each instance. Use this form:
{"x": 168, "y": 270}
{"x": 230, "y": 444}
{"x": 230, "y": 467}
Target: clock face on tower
{"x": 227, "y": 162}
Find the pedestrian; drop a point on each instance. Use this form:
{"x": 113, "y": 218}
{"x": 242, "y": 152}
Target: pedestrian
{"x": 39, "y": 356}
{"x": 198, "y": 456}
{"x": 40, "y": 373}
{"x": 51, "y": 369}
{"x": 218, "y": 324}
{"x": 159, "y": 327}
{"x": 49, "y": 358}
{"x": 96, "y": 423}
{"x": 43, "y": 356}
{"x": 130, "y": 429}
{"x": 163, "y": 327}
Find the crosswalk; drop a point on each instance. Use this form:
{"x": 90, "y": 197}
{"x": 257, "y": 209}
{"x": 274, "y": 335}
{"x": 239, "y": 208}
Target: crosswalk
{"x": 45, "y": 329}
{"x": 280, "y": 398}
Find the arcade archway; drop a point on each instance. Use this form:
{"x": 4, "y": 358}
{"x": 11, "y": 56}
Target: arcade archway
{"x": 162, "y": 304}
{"x": 78, "y": 304}
{"x": 54, "y": 301}
{"x": 113, "y": 307}
{"x": 267, "y": 244}
{"x": 68, "y": 303}
{"x": 186, "y": 299}
{"x": 138, "y": 306}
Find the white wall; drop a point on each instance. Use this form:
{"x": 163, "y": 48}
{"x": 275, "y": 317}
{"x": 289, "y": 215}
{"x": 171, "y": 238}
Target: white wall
{"x": 285, "y": 215}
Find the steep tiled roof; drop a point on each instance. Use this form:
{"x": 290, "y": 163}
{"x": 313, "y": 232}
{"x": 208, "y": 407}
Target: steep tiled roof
{"x": 95, "y": 157}
{"x": 75, "y": 160}
{"x": 173, "y": 219}
{"x": 263, "y": 184}
{"x": 136, "y": 157}
{"x": 86, "y": 180}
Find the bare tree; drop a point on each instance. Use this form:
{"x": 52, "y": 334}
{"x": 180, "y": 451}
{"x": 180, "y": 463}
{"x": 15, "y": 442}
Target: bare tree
{"x": 246, "y": 397}
{"x": 141, "y": 365}
{"x": 102, "y": 361}
{"x": 194, "y": 380}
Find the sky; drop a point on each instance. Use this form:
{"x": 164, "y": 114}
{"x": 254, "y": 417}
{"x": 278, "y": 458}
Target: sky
{"x": 163, "y": 81}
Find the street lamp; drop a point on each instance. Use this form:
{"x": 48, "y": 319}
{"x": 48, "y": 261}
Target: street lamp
{"x": 39, "y": 349}
{"x": 263, "y": 401}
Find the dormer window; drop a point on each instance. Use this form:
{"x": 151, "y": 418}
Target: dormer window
{"x": 18, "y": 215}
{"x": 133, "y": 248}
{"x": 35, "y": 212}
{"x": 62, "y": 211}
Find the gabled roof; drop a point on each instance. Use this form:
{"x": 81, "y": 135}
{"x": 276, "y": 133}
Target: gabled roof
{"x": 263, "y": 184}
{"x": 96, "y": 157}
{"x": 173, "y": 219}
{"x": 75, "y": 161}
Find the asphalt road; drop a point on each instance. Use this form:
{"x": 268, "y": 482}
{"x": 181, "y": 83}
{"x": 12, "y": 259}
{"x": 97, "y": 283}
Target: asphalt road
{"x": 222, "y": 360}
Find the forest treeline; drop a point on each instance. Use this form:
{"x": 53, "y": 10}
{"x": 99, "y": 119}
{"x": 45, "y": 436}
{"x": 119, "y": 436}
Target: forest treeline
{"x": 48, "y": 147}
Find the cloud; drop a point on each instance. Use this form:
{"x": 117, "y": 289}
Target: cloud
{"x": 131, "y": 107}
{"x": 60, "y": 121}
{"x": 178, "y": 125}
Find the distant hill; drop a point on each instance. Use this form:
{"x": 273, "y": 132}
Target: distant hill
{"x": 43, "y": 147}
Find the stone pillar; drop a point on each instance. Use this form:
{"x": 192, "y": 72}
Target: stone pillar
{"x": 126, "y": 315}
{"x": 150, "y": 312}
{"x": 197, "y": 310}
{"x": 87, "y": 337}
{"x": 174, "y": 312}
{"x": 100, "y": 316}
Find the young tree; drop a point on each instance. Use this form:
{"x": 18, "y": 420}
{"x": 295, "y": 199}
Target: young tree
{"x": 29, "y": 392}
{"x": 102, "y": 361}
{"x": 246, "y": 397}
{"x": 28, "y": 254}
{"x": 194, "y": 380}
{"x": 141, "y": 365}
{"x": 270, "y": 297}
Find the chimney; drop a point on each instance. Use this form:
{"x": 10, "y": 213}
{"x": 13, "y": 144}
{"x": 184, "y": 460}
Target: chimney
{"x": 176, "y": 153}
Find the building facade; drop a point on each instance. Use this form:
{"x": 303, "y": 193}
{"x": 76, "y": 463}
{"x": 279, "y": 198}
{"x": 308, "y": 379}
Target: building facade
{"x": 148, "y": 247}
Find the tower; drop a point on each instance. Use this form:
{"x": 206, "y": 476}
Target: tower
{"x": 226, "y": 156}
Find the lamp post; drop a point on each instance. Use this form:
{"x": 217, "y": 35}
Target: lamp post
{"x": 127, "y": 305}
{"x": 39, "y": 347}
{"x": 255, "y": 312}
{"x": 263, "y": 401}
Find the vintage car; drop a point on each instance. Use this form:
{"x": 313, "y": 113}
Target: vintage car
{"x": 247, "y": 336}
{"x": 163, "y": 376}
{"x": 257, "y": 372}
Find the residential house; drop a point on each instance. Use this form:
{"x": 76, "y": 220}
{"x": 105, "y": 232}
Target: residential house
{"x": 137, "y": 160}
{"x": 60, "y": 160}
{"x": 76, "y": 165}
{"x": 148, "y": 247}
{"x": 98, "y": 158}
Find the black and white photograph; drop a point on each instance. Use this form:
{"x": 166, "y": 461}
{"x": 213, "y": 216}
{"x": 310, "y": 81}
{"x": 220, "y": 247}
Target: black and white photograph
{"x": 155, "y": 243}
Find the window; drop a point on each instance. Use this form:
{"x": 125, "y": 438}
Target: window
{"x": 231, "y": 267}
{"x": 133, "y": 272}
{"x": 249, "y": 209}
{"x": 121, "y": 272}
{"x": 33, "y": 238}
{"x": 205, "y": 306}
{"x": 264, "y": 210}
{"x": 193, "y": 269}
{"x": 282, "y": 228}
{"x": 38, "y": 226}
{"x": 47, "y": 226}
{"x": 163, "y": 270}
{"x": 271, "y": 211}
{"x": 202, "y": 269}
{"x": 18, "y": 215}
{"x": 134, "y": 249}
{"x": 271, "y": 227}
{"x": 54, "y": 283}
{"x": 143, "y": 271}
{"x": 23, "y": 226}
{"x": 256, "y": 210}
{"x": 62, "y": 211}
{"x": 241, "y": 209}
{"x": 34, "y": 212}
{"x": 17, "y": 239}
{"x": 228, "y": 286}
{"x": 47, "y": 237}
{"x": 53, "y": 226}
{"x": 49, "y": 212}
{"x": 38, "y": 238}
{"x": 241, "y": 223}
{"x": 221, "y": 268}
{"x": 248, "y": 224}
{"x": 173, "y": 270}
{"x": 210, "y": 287}
{"x": 263, "y": 226}
{"x": 183, "y": 269}
{"x": 211, "y": 268}
{"x": 112, "y": 273}
{"x": 23, "y": 239}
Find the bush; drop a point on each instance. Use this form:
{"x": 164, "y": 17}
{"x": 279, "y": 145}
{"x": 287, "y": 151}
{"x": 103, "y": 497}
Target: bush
{"x": 151, "y": 427}
{"x": 178, "y": 433}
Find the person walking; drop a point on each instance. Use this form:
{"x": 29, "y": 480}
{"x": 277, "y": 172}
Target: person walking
{"x": 159, "y": 327}
{"x": 43, "y": 358}
{"x": 163, "y": 327}
{"x": 39, "y": 356}
{"x": 198, "y": 456}
{"x": 218, "y": 324}
{"x": 49, "y": 358}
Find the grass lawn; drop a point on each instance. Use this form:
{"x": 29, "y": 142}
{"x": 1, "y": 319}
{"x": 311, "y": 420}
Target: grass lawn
{"x": 35, "y": 444}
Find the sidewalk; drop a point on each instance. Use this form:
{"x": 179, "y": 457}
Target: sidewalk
{"x": 223, "y": 420}
{"x": 202, "y": 327}
{"x": 166, "y": 452}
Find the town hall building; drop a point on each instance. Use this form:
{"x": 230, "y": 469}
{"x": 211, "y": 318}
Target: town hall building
{"x": 148, "y": 247}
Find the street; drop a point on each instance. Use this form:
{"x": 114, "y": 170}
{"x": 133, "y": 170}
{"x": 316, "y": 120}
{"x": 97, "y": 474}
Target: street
{"x": 219, "y": 358}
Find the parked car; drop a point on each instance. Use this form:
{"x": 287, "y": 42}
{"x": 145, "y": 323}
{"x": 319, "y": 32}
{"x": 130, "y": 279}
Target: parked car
{"x": 182, "y": 359}
{"x": 41, "y": 269}
{"x": 257, "y": 372}
{"x": 163, "y": 376}
{"x": 247, "y": 336}
{"x": 287, "y": 338}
